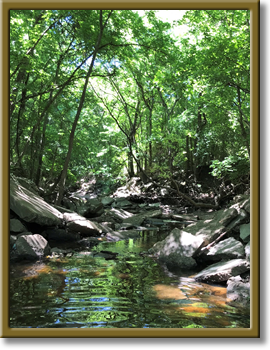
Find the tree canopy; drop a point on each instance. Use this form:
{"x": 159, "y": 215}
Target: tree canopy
{"x": 118, "y": 93}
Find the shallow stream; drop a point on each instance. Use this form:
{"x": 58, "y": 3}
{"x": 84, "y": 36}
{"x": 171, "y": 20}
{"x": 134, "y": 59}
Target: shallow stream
{"x": 114, "y": 285}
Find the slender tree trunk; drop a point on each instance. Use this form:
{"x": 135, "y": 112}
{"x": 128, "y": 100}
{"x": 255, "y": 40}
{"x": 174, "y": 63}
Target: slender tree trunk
{"x": 243, "y": 130}
{"x": 40, "y": 156}
{"x": 72, "y": 133}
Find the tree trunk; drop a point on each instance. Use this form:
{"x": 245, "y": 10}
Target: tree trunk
{"x": 72, "y": 133}
{"x": 243, "y": 130}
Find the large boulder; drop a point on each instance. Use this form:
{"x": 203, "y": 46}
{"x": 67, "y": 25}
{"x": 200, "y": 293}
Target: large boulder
{"x": 32, "y": 247}
{"x": 223, "y": 270}
{"x": 81, "y": 225}
{"x": 177, "y": 249}
{"x": 238, "y": 291}
{"x": 60, "y": 235}
{"x": 227, "y": 249}
{"x": 182, "y": 245}
{"x": 32, "y": 208}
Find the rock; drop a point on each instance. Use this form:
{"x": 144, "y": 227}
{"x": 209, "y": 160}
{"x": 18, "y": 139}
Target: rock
{"x": 176, "y": 247}
{"x": 208, "y": 230}
{"x": 246, "y": 206}
{"x": 104, "y": 227}
{"x": 32, "y": 208}
{"x": 242, "y": 202}
{"x": 138, "y": 219}
{"x": 230, "y": 248}
{"x": 247, "y": 251}
{"x": 238, "y": 291}
{"x": 122, "y": 235}
{"x": 16, "y": 226}
{"x": 94, "y": 208}
{"x": 184, "y": 217}
{"x": 62, "y": 209}
{"x": 107, "y": 201}
{"x": 60, "y": 235}
{"x": 164, "y": 192}
{"x": 245, "y": 232}
{"x": 223, "y": 270}
{"x": 240, "y": 219}
{"x": 224, "y": 217}
{"x": 12, "y": 241}
{"x": 122, "y": 203}
{"x": 148, "y": 187}
{"x": 80, "y": 224}
{"x": 178, "y": 261}
{"x": 120, "y": 214}
{"x": 28, "y": 184}
{"x": 32, "y": 247}
{"x": 187, "y": 242}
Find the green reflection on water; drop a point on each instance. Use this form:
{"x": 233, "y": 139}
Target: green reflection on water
{"x": 126, "y": 291}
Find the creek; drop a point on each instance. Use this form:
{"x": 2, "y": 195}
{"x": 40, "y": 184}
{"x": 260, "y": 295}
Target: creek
{"x": 115, "y": 285}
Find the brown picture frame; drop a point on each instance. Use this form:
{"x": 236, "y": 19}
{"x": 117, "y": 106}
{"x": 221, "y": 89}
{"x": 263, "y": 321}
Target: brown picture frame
{"x": 254, "y": 330}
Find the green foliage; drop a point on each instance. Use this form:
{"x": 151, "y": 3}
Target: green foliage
{"x": 231, "y": 167}
{"x": 148, "y": 94}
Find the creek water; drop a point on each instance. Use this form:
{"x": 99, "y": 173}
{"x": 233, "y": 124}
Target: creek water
{"x": 114, "y": 285}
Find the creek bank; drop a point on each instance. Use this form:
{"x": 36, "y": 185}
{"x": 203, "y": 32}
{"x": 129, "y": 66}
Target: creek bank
{"x": 217, "y": 241}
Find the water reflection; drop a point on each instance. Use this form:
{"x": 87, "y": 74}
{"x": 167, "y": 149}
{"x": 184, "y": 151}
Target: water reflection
{"x": 127, "y": 291}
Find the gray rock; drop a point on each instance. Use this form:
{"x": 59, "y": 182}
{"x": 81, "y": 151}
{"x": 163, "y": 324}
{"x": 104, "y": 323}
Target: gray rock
{"x": 60, "y": 235}
{"x": 32, "y": 208}
{"x": 28, "y": 184}
{"x": 32, "y": 247}
{"x": 242, "y": 202}
{"x": 224, "y": 217}
{"x": 94, "y": 208}
{"x": 176, "y": 247}
{"x": 122, "y": 235}
{"x": 247, "y": 251}
{"x": 137, "y": 220}
{"x": 187, "y": 242}
{"x": 119, "y": 214}
{"x": 184, "y": 217}
{"x": 12, "y": 241}
{"x": 106, "y": 201}
{"x": 78, "y": 223}
{"x": 245, "y": 232}
{"x": 230, "y": 248}
{"x": 223, "y": 270}
{"x": 240, "y": 219}
{"x": 246, "y": 206}
{"x": 122, "y": 203}
{"x": 175, "y": 260}
{"x": 238, "y": 292}
{"x": 209, "y": 230}
{"x": 87, "y": 228}
{"x": 16, "y": 226}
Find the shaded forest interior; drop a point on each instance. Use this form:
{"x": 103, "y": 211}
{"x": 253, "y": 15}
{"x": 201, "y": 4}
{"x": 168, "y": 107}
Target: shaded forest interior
{"x": 107, "y": 95}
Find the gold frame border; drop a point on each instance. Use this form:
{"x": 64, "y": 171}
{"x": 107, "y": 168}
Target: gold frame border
{"x": 254, "y": 331}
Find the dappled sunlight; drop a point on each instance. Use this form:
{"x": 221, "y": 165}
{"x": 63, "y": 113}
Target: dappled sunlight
{"x": 36, "y": 271}
{"x": 121, "y": 213}
{"x": 168, "y": 292}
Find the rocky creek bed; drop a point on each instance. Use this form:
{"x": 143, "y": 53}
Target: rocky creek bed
{"x": 117, "y": 263}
